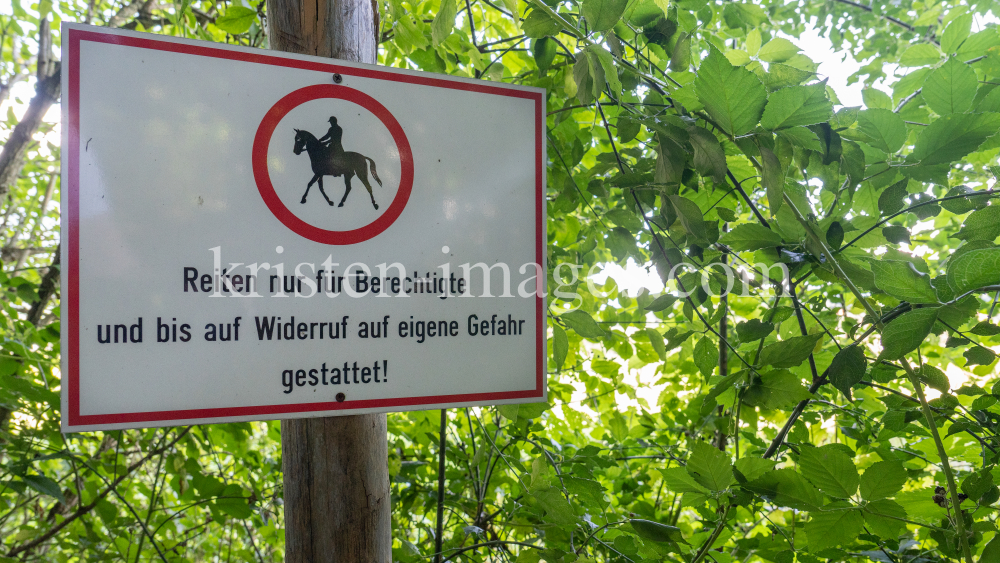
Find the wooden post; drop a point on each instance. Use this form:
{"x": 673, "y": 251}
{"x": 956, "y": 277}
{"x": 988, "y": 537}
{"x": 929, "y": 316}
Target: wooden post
{"x": 442, "y": 445}
{"x": 336, "y": 475}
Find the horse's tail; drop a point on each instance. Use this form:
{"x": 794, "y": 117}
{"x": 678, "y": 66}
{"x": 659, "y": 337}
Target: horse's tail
{"x": 374, "y": 173}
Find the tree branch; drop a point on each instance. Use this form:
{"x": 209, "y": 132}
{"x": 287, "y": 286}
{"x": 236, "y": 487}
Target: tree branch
{"x": 898, "y": 22}
{"x": 12, "y": 156}
{"x": 50, "y": 282}
{"x": 87, "y": 508}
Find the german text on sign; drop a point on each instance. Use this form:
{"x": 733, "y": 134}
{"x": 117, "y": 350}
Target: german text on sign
{"x": 252, "y": 235}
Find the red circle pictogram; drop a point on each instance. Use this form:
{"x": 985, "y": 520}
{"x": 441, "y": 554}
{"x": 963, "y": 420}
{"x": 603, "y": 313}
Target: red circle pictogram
{"x": 263, "y": 178}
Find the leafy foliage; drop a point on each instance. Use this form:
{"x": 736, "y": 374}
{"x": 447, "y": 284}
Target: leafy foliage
{"x": 851, "y": 414}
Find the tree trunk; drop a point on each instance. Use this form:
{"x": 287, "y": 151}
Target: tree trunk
{"x": 336, "y": 475}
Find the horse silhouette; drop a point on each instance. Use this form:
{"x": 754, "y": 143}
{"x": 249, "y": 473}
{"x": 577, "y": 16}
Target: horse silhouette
{"x": 327, "y": 162}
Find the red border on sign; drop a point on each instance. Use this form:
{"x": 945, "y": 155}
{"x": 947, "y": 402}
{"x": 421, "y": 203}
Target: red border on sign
{"x": 260, "y": 172}
{"x": 71, "y": 309}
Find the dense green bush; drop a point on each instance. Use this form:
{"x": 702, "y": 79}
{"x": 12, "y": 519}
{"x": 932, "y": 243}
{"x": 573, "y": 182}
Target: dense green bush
{"x": 846, "y": 412}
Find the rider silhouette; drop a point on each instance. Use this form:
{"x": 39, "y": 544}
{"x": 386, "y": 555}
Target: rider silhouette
{"x": 333, "y": 137}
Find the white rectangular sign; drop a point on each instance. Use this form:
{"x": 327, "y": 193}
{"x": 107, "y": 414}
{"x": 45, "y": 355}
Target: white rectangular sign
{"x": 254, "y": 235}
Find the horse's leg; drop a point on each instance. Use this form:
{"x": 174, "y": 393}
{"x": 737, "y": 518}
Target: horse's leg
{"x": 347, "y": 182}
{"x": 363, "y": 176}
{"x": 322, "y": 191}
{"x": 311, "y": 182}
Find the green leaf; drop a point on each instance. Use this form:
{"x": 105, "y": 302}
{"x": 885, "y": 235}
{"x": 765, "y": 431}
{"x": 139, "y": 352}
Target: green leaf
{"x": 834, "y": 527}
{"x": 830, "y": 469}
{"x": 44, "y": 8}
{"x": 544, "y": 50}
{"x": 773, "y": 177}
{"x": 845, "y": 117}
{"x": 777, "y": 389}
{"x": 963, "y": 205}
{"x": 679, "y": 480}
{"x": 656, "y": 532}
{"x": 983, "y": 224}
{"x": 934, "y": 377}
{"x": 511, "y": 6}
{"x": 539, "y": 24}
{"x": 45, "y": 486}
{"x": 979, "y": 356}
{"x": 726, "y": 214}
{"x": 560, "y": 346}
{"x": 951, "y": 88}
{"x": 236, "y": 20}
{"x": 785, "y": 487}
{"x": 882, "y": 518}
{"x": 656, "y": 341}
{"x": 991, "y": 553}
{"x": 802, "y": 137}
{"x": 750, "y": 236}
{"x": 951, "y": 137}
{"x": 981, "y": 404}
{"x": 790, "y": 352}
{"x": 990, "y": 103}
{"x": 753, "y": 42}
{"x": 891, "y": 199}
{"x": 661, "y": 303}
{"x": 901, "y": 280}
{"x": 738, "y": 14}
{"x": 584, "y": 325}
{"x": 882, "y": 480}
{"x": 680, "y": 60}
{"x": 628, "y": 128}
{"x": 532, "y": 410}
{"x": 896, "y": 234}
{"x": 848, "y": 369}
{"x": 557, "y": 508}
{"x": 508, "y": 411}
{"x": 107, "y": 512}
{"x": 919, "y": 504}
{"x": 778, "y": 50}
{"x": 749, "y": 468}
{"x": 737, "y": 57}
{"x": 985, "y": 328}
{"x": 876, "y": 99}
{"x": 409, "y": 34}
{"x": 835, "y": 235}
{"x": 977, "y": 483}
{"x": 690, "y": 217}
{"x": 725, "y": 384}
{"x": 590, "y": 493}
{"x": 753, "y": 330}
{"x": 443, "y": 22}
{"x": 234, "y": 503}
{"x": 602, "y": 15}
{"x": 710, "y": 467}
{"x": 905, "y": 333}
{"x": 607, "y": 63}
{"x": 709, "y": 158}
{"x": 956, "y": 33}
{"x": 780, "y": 76}
{"x": 669, "y": 162}
{"x": 797, "y": 105}
{"x": 706, "y": 356}
{"x": 885, "y": 130}
{"x": 974, "y": 269}
{"x": 921, "y": 54}
{"x": 621, "y": 243}
{"x": 588, "y": 72}
{"x": 733, "y": 96}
